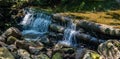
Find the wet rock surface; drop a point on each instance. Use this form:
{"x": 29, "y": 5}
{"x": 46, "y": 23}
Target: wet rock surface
{"x": 42, "y": 49}
{"x": 86, "y": 54}
{"x": 12, "y": 32}
{"x": 110, "y": 49}
{"x": 23, "y": 54}
{"x": 5, "y": 54}
{"x": 57, "y": 56}
{"x": 14, "y": 46}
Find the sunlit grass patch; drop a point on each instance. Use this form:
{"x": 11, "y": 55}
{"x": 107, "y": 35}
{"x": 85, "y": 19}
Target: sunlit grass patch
{"x": 109, "y": 17}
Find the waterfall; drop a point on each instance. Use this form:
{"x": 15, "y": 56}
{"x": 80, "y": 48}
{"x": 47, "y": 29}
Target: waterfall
{"x": 69, "y": 38}
{"x": 27, "y": 19}
{"x": 71, "y": 25}
{"x": 69, "y": 35}
{"x": 35, "y": 25}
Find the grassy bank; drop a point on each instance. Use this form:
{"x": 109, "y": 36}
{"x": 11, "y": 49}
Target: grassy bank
{"x": 109, "y": 17}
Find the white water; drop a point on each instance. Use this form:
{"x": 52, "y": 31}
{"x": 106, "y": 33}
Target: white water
{"x": 69, "y": 35}
{"x": 27, "y": 19}
{"x": 35, "y": 26}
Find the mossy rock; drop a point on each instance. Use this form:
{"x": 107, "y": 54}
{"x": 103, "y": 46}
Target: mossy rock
{"x": 57, "y": 56}
{"x": 2, "y": 39}
{"x": 23, "y": 54}
{"x": 110, "y": 49}
{"x": 5, "y": 54}
{"x": 56, "y": 28}
{"x": 12, "y": 31}
{"x": 11, "y": 40}
{"x": 42, "y": 56}
{"x": 68, "y": 50}
{"x": 87, "y": 54}
{"x": 107, "y": 31}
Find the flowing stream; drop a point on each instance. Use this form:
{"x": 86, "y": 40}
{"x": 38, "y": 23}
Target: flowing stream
{"x": 35, "y": 25}
{"x": 69, "y": 38}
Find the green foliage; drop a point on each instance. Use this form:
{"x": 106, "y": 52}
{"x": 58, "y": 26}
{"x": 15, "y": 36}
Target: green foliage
{"x": 87, "y": 5}
{"x": 40, "y": 2}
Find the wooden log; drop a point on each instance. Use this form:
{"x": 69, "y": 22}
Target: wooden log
{"x": 101, "y": 28}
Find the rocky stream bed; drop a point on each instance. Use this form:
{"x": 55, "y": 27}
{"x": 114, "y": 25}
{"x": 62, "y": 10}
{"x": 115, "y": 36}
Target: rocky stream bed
{"x": 44, "y": 36}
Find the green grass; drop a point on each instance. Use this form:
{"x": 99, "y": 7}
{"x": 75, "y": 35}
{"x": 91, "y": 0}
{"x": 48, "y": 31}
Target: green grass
{"x": 109, "y": 18}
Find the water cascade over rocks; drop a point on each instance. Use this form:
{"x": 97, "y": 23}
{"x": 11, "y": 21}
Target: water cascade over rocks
{"x": 35, "y": 25}
{"x": 59, "y": 38}
{"x": 69, "y": 38}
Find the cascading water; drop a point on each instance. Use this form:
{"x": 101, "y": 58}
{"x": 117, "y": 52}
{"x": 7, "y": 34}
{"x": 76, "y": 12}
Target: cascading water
{"x": 69, "y": 35}
{"x": 27, "y": 19}
{"x": 35, "y": 25}
{"x": 69, "y": 38}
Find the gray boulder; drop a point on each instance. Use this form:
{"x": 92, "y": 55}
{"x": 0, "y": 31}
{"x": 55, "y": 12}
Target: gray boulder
{"x": 12, "y": 31}
{"x": 5, "y": 54}
{"x": 110, "y": 49}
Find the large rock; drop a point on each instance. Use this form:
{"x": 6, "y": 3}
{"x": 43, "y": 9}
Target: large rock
{"x": 110, "y": 49}
{"x": 5, "y": 54}
{"x": 22, "y": 45}
{"x": 68, "y": 50}
{"x": 101, "y": 28}
{"x": 12, "y": 31}
{"x": 86, "y": 54}
{"x": 60, "y": 18}
{"x": 45, "y": 40}
{"x": 56, "y": 28}
{"x": 2, "y": 39}
{"x": 11, "y": 40}
{"x": 41, "y": 56}
{"x": 88, "y": 38}
{"x": 57, "y": 56}
{"x": 23, "y": 54}
{"x": 31, "y": 47}
{"x": 59, "y": 46}
{"x": 12, "y": 48}
{"x": 64, "y": 51}
{"x": 35, "y": 50}
{"x": 69, "y": 53}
